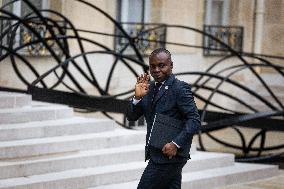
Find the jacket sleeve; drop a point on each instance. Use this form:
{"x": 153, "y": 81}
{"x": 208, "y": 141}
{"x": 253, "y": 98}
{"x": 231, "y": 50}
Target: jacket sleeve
{"x": 187, "y": 107}
{"x": 134, "y": 111}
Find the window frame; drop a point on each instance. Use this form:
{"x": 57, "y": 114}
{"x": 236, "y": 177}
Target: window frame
{"x": 16, "y": 9}
{"x": 225, "y": 12}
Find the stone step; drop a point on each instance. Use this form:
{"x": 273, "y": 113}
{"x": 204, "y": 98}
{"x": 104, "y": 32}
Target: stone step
{"x": 239, "y": 173}
{"x": 101, "y": 157}
{"x": 14, "y": 100}
{"x": 50, "y": 128}
{"x": 75, "y": 160}
{"x": 119, "y": 172}
{"x": 272, "y": 79}
{"x": 38, "y": 113}
{"x": 203, "y": 160}
{"x": 277, "y": 90}
{"x": 71, "y": 143}
{"x": 255, "y": 101}
{"x": 213, "y": 178}
{"x": 78, "y": 178}
{"x": 260, "y": 107}
{"x": 274, "y": 182}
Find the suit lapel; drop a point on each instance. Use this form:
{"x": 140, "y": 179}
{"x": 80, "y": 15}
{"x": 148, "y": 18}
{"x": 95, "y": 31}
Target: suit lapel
{"x": 150, "y": 95}
{"x": 164, "y": 88}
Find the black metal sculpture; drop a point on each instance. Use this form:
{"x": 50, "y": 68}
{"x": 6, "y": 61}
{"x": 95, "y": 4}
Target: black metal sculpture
{"x": 42, "y": 35}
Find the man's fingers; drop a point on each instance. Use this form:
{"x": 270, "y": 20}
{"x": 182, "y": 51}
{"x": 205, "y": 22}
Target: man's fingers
{"x": 168, "y": 152}
{"x": 147, "y": 87}
{"x": 140, "y": 78}
{"x": 148, "y": 77}
{"x": 164, "y": 148}
{"x": 144, "y": 77}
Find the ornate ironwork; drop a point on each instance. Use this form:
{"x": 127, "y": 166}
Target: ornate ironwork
{"x": 103, "y": 99}
{"x": 38, "y": 49}
{"x": 230, "y": 35}
{"x": 4, "y": 24}
{"x": 147, "y": 37}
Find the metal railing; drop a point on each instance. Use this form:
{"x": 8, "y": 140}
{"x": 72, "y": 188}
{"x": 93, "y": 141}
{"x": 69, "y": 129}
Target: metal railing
{"x": 147, "y": 37}
{"x": 38, "y": 49}
{"x": 32, "y": 44}
{"x": 4, "y": 25}
{"x": 230, "y": 35}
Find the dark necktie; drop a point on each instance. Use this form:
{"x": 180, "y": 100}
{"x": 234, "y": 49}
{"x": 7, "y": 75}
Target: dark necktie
{"x": 156, "y": 89}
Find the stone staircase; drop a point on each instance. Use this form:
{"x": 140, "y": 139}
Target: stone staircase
{"x": 45, "y": 146}
{"x": 275, "y": 83}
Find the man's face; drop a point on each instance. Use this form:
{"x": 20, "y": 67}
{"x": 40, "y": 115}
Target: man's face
{"x": 160, "y": 66}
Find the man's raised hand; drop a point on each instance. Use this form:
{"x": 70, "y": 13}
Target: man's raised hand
{"x": 142, "y": 86}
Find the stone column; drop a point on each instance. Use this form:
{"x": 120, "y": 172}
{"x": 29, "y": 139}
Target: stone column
{"x": 258, "y": 27}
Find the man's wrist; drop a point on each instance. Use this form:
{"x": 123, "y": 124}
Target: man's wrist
{"x": 137, "y": 98}
{"x": 135, "y": 101}
{"x": 178, "y": 146}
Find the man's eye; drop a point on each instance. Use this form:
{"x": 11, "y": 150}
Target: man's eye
{"x": 161, "y": 65}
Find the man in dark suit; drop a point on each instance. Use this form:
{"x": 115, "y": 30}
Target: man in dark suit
{"x": 173, "y": 98}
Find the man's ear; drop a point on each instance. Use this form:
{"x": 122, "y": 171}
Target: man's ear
{"x": 172, "y": 64}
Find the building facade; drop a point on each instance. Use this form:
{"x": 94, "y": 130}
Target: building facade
{"x": 261, "y": 23}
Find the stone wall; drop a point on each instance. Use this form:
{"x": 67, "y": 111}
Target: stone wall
{"x": 184, "y": 12}
{"x": 87, "y": 18}
{"x": 241, "y": 14}
{"x": 273, "y": 33}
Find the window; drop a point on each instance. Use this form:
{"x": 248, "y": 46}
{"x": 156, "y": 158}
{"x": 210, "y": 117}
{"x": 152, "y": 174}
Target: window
{"x": 134, "y": 16}
{"x": 217, "y": 24}
{"x": 23, "y": 34}
{"x": 39, "y": 4}
{"x": 4, "y": 25}
{"x": 20, "y": 9}
{"x": 134, "y": 11}
{"x": 217, "y": 12}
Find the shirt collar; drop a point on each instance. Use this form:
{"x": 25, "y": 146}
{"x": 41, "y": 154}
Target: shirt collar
{"x": 160, "y": 82}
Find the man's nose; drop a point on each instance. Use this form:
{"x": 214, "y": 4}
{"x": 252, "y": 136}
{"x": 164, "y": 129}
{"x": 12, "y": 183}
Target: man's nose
{"x": 156, "y": 69}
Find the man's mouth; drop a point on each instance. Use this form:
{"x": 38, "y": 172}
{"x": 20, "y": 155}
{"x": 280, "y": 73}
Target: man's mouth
{"x": 157, "y": 75}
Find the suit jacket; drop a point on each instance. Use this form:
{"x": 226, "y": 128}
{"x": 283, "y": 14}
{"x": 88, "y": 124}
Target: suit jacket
{"x": 175, "y": 100}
